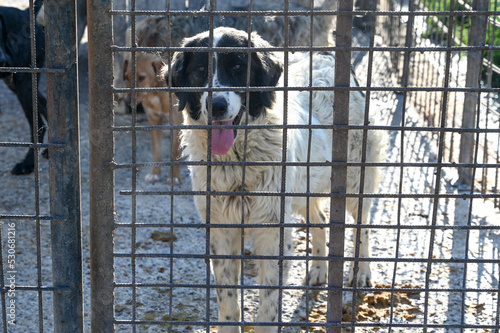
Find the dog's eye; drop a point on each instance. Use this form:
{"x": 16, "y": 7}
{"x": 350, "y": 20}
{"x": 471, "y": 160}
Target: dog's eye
{"x": 141, "y": 78}
{"x": 201, "y": 68}
{"x": 237, "y": 67}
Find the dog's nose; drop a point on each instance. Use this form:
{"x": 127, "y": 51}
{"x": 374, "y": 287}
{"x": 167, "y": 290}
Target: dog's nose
{"x": 219, "y": 107}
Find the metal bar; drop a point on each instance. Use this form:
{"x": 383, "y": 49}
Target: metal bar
{"x": 308, "y": 172}
{"x": 263, "y": 257}
{"x": 3, "y": 297}
{"x": 301, "y": 324}
{"x": 404, "y": 82}
{"x": 293, "y": 126}
{"x": 208, "y": 220}
{"x": 101, "y": 176}
{"x": 284, "y": 154}
{"x": 300, "y": 287}
{"x": 439, "y": 170}
{"x": 301, "y": 49}
{"x": 134, "y": 171}
{"x": 31, "y": 217}
{"x": 321, "y": 195}
{"x": 371, "y": 23}
{"x": 312, "y": 225}
{"x": 339, "y": 173}
{"x": 64, "y": 170}
{"x": 171, "y": 168}
{"x": 477, "y": 37}
{"x": 338, "y": 13}
{"x": 60, "y": 71}
{"x": 243, "y": 171}
{"x": 311, "y": 164}
{"x": 379, "y": 89}
{"x": 34, "y": 97}
{"x": 4, "y": 290}
{"x": 31, "y": 145}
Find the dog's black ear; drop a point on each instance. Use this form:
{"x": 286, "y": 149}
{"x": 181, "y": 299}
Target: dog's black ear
{"x": 268, "y": 69}
{"x": 179, "y": 76}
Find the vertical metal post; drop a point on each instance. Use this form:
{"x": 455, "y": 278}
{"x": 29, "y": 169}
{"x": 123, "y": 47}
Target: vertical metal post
{"x": 64, "y": 168}
{"x": 101, "y": 174}
{"x": 339, "y": 172}
{"x": 477, "y": 36}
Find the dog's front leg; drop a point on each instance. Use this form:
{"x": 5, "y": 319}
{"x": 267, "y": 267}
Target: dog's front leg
{"x": 151, "y": 107}
{"x": 226, "y": 272}
{"x": 175, "y": 176}
{"x": 364, "y": 277}
{"x": 267, "y": 242}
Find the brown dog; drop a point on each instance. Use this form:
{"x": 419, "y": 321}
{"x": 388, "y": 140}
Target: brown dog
{"x": 156, "y": 105}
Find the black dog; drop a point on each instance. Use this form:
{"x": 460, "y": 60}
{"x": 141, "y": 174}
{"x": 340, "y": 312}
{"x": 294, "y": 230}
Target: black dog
{"x": 15, "y": 51}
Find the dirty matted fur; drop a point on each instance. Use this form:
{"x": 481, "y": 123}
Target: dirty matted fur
{"x": 266, "y": 144}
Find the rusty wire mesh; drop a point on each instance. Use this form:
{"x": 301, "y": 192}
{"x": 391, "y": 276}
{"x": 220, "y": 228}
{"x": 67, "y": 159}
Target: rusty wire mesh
{"x": 435, "y": 254}
{"x": 40, "y": 240}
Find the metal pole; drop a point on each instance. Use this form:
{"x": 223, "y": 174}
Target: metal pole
{"x": 64, "y": 168}
{"x": 100, "y": 31}
{"x": 477, "y": 36}
{"x": 339, "y": 154}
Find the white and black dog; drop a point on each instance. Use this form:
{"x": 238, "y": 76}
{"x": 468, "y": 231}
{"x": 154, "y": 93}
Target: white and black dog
{"x": 264, "y": 143}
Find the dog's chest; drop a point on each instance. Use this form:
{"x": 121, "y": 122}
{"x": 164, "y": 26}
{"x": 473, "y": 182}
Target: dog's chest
{"x": 235, "y": 178}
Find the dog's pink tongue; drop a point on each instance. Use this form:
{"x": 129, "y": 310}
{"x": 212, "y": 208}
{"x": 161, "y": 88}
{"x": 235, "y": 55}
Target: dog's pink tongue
{"x": 222, "y": 138}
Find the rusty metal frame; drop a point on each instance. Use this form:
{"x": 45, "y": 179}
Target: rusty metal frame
{"x": 62, "y": 100}
{"x": 102, "y": 129}
{"x": 100, "y": 36}
{"x": 63, "y": 143}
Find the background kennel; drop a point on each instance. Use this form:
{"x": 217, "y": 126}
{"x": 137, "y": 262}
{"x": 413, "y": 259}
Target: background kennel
{"x": 143, "y": 264}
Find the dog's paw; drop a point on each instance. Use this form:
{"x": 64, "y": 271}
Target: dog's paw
{"x": 229, "y": 329}
{"x": 264, "y": 329}
{"x": 152, "y": 178}
{"x": 22, "y": 169}
{"x": 364, "y": 276}
{"x": 317, "y": 273}
{"x": 174, "y": 180}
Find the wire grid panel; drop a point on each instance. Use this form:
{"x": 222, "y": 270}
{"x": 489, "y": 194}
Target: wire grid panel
{"x": 39, "y": 213}
{"x": 434, "y": 256}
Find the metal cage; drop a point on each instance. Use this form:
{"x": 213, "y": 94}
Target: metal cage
{"x": 140, "y": 259}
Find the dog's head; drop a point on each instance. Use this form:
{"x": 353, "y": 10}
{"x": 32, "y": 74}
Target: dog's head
{"x": 230, "y": 69}
{"x": 148, "y": 67}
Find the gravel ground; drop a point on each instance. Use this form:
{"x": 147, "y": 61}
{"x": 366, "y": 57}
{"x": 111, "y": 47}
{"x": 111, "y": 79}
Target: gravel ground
{"x": 478, "y": 307}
